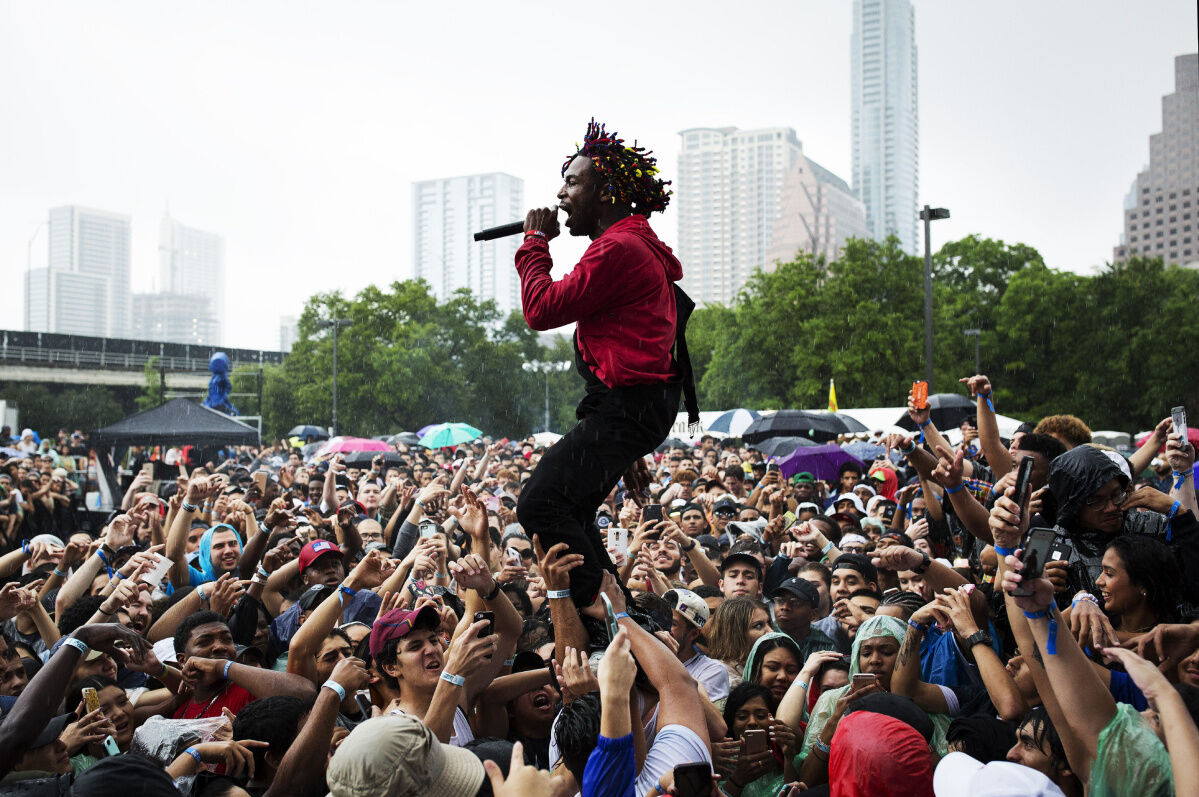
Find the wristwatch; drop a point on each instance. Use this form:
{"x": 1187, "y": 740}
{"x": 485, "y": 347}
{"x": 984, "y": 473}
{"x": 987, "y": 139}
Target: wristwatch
{"x": 979, "y": 638}
{"x": 924, "y": 563}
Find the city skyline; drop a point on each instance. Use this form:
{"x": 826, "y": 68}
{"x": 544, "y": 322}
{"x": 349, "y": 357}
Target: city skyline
{"x": 303, "y": 163}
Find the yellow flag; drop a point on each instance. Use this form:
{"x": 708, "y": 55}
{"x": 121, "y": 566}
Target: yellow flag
{"x": 832, "y": 397}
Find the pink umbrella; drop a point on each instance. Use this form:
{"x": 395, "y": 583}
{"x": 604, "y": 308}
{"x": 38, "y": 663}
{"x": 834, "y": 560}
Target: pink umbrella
{"x": 341, "y": 445}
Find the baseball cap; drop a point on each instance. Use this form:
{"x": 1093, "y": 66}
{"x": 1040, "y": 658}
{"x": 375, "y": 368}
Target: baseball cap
{"x": 122, "y": 775}
{"x": 708, "y": 541}
{"x": 52, "y": 730}
{"x": 726, "y": 504}
{"x": 314, "y": 596}
{"x": 858, "y": 562}
{"x": 803, "y": 477}
{"x": 315, "y": 550}
{"x": 397, "y": 623}
{"x": 687, "y": 603}
{"x": 398, "y": 755}
{"x": 745, "y": 559}
{"x": 960, "y": 774}
{"x": 527, "y": 660}
{"x": 800, "y": 588}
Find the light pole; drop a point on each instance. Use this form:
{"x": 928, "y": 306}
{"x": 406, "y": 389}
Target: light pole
{"x": 547, "y": 368}
{"x": 337, "y": 324}
{"x": 928, "y": 215}
{"x": 974, "y": 333}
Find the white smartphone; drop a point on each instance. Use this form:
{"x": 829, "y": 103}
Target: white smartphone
{"x": 428, "y": 529}
{"x": 514, "y": 557}
{"x": 156, "y": 574}
{"x": 618, "y": 545}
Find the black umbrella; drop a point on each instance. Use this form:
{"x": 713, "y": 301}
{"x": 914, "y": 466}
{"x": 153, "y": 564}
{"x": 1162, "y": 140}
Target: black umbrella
{"x": 357, "y": 459}
{"x": 779, "y": 447}
{"x": 852, "y": 425}
{"x": 948, "y": 411}
{"x": 310, "y": 432}
{"x": 673, "y": 442}
{"x": 407, "y": 438}
{"x": 818, "y": 425}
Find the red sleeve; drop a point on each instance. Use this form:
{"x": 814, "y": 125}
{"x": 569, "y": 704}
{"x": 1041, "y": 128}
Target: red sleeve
{"x": 591, "y": 287}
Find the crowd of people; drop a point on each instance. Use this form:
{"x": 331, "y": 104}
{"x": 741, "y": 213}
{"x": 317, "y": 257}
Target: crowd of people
{"x": 1004, "y": 616}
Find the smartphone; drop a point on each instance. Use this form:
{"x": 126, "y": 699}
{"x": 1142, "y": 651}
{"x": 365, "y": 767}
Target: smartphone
{"x": 652, "y": 512}
{"x": 1179, "y": 416}
{"x": 491, "y": 503}
{"x": 91, "y": 699}
{"x": 864, "y": 679}
{"x": 514, "y": 557}
{"x": 490, "y": 627}
{"x": 618, "y": 545}
{"x": 1060, "y": 551}
{"x": 920, "y": 394}
{"x": 789, "y": 519}
{"x": 1036, "y": 553}
{"x": 1023, "y": 480}
{"x": 363, "y": 698}
{"x": 755, "y": 742}
{"x": 693, "y": 780}
{"x": 610, "y": 617}
{"x": 773, "y": 467}
{"x": 427, "y": 529}
{"x": 155, "y": 575}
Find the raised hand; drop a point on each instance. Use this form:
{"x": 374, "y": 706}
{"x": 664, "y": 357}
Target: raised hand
{"x": 15, "y": 599}
{"x": 556, "y": 564}
{"x": 977, "y": 384}
{"x": 1008, "y": 520}
{"x": 226, "y": 592}
{"x": 897, "y": 557}
{"x": 523, "y": 780}
{"x": 471, "y": 651}
{"x": 351, "y": 673}
{"x": 123, "y": 644}
{"x": 278, "y": 556}
{"x": 471, "y": 572}
{"x": 120, "y": 532}
{"x": 237, "y": 757}
{"x": 89, "y": 728}
{"x": 1042, "y": 590}
{"x": 948, "y": 472}
{"x": 472, "y": 517}
{"x": 1150, "y": 498}
{"x": 1090, "y": 626}
{"x": 575, "y": 676}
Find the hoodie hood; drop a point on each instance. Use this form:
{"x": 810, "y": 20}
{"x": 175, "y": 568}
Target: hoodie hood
{"x": 755, "y": 653}
{"x": 1076, "y": 475}
{"x": 639, "y": 225}
{"x": 204, "y": 560}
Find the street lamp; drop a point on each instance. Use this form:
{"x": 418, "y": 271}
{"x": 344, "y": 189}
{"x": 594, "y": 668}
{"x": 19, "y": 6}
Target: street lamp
{"x": 974, "y": 333}
{"x": 547, "y": 368}
{"x": 337, "y": 324}
{"x": 928, "y": 215}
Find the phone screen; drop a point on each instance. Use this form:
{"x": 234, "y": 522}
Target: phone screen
{"x": 1179, "y": 417}
{"x": 1036, "y": 554}
{"x": 693, "y": 780}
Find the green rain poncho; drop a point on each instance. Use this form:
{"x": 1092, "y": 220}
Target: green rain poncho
{"x": 877, "y": 626}
{"x": 1130, "y": 759}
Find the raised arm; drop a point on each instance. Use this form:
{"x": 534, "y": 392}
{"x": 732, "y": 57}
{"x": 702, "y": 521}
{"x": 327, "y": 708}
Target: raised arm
{"x": 948, "y": 474}
{"x": 257, "y": 681}
{"x": 998, "y": 457}
{"x": 1140, "y": 459}
{"x": 906, "y": 680}
{"x": 197, "y": 491}
{"x": 556, "y": 565}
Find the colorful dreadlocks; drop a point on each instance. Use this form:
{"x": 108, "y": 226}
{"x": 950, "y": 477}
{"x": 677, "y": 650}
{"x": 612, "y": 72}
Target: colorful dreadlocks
{"x": 631, "y": 172}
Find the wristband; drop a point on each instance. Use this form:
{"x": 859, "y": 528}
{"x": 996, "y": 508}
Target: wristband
{"x": 1170, "y": 520}
{"x": 420, "y": 503}
{"x": 557, "y": 594}
{"x": 344, "y": 590}
{"x": 100, "y": 609}
{"x": 76, "y": 643}
{"x": 921, "y": 628}
{"x": 1004, "y": 551}
{"x": 186, "y": 507}
{"x": 828, "y": 547}
{"x": 59, "y": 573}
{"x": 162, "y": 672}
{"x": 926, "y": 423}
{"x": 951, "y": 490}
{"x": 194, "y": 753}
{"x": 987, "y": 396}
{"x": 692, "y": 548}
{"x": 456, "y": 680}
{"x": 538, "y": 234}
{"x": 804, "y": 685}
{"x": 99, "y": 553}
{"x": 909, "y": 450}
{"x": 117, "y": 576}
{"x": 25, "y": 547}
{"x": 621, "y": 614}
{"x": 1083, "y": 596}
{"x": 200, "y": 592}
{"x": 1181, "y": 477}
{"x": 263, "y": 572}
{"x": 336, "y": 687}
{"x": 495, "y": 590}
{"x": 821, "y": 746}
{"x": 510, "y": 662}
{"x": 225, "y": 672}
{"x": 1036, "y": 615}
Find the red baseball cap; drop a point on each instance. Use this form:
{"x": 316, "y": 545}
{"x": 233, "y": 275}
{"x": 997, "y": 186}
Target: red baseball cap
{"x": 398, "y": 623}
{"x": 315, "y": 550}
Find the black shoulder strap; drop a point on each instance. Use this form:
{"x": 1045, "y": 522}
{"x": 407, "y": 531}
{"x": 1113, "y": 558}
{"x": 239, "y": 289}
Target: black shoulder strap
{"x": 684, "y": 306}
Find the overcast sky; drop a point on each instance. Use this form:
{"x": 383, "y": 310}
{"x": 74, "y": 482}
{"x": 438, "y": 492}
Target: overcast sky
{"x": 295, "y": 129}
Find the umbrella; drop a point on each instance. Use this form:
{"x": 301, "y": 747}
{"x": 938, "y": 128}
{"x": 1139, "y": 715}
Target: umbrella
{"x": 819, "y": 425}
{"x": 407, "y": 438}
{"x": 343, "y": 445}
{"x": 360, "y": 458}
{"x": 310, "y": 432}
{"x": 424, "y": 430}
{"x": 310, "y": 450}
{"x": 673, "y": 442}
{"x": 867, "y": 452}
{"x": 734, "y": 422}
{"x": 821, "y": 461}
{"x": 948, "y": 411}
{"x": 449, "y": 434}
{"x": 852, "y": 424}
{"x": 779, "y": 447}
{"x": 546, "y": 439}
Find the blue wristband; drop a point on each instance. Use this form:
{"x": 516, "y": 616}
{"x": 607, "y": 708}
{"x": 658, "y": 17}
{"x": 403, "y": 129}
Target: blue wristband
{"x": 336, "y": 687}
{"x": 186, "y": 507}
{"x": 78, "y": 644}
{"x": 824, "y": 551}
{"x": 1036, "y": 615}
{"x": 1004, "y": 551}
{"x": 958, "y": 489}
{"x": 621, "y": 614}
{"x": 921, "y": 628}
{"x": 194, "y": 753}
{"x": 225, "y": 672}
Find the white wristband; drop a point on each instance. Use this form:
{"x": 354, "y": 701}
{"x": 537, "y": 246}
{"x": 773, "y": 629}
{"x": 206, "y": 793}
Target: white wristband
{"x": 78, "y": 644}
{"x": 456, "y": 680}
{"x": 557, "y": 594}
{"x": 336, "y": 687}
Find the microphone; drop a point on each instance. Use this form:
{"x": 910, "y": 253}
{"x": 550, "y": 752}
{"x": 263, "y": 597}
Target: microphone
{"x": 504, "y": 230}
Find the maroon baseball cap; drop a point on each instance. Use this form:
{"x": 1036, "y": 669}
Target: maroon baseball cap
{"x": 315, "y": 550}
{"x": 397, "y": 623}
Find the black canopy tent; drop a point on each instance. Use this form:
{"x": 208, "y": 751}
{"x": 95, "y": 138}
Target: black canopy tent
{"x": 179, "y": 422}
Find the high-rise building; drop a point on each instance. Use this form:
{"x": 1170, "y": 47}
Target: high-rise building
{"x": 191, "y": 262}
{"x": 728, "y": 192}
{"x": 446, "y": 213}
{"x": 1161, "y": 210}
{"x": 884, "y": 118}
{"x": 84, "y": 288}
{"x": 174, "y": 318}
{"x": 289, "y": 332}
{"x": 818, "y": 213}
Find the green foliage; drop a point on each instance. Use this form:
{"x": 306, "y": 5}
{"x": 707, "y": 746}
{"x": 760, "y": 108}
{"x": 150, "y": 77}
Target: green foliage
{"x": 48, "y": 408}
{"x": 151, "y": 395}
{"x": 1114, "y": 348}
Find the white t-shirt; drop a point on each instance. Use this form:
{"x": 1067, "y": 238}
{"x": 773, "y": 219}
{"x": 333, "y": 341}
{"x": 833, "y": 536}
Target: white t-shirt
{"x": 462, "y": 731}
{"x": 674, "y": 745}
{"x": 711, "y": 673}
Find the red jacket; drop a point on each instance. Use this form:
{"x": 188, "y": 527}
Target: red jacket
{"x": 621, "y": 296}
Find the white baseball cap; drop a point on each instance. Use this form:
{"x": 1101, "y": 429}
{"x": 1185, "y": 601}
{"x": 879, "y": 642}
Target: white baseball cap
{"x": 960, "y": 775}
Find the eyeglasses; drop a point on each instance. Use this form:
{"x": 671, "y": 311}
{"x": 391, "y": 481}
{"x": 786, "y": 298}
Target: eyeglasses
{"x": 1099, "y": 502}
{"x": 724, "y": 513}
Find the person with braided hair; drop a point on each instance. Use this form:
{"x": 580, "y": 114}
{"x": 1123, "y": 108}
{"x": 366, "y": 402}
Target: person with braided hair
{"x": 629, "y": 343}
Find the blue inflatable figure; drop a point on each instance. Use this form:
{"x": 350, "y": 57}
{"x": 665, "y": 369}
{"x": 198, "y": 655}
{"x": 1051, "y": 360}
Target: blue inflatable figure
{"x": 219, "y": 386}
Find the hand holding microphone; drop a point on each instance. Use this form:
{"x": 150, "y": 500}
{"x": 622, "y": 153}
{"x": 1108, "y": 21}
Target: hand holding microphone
{"x": 544, "y": 220}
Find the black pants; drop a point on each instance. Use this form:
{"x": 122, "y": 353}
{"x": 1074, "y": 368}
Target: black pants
{"x": 559, "y": 501}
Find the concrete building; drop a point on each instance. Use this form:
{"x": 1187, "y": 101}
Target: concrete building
{"x": 728, "y": 192}
{"x": 191, "y": 262}
{"x": 289, "y": 332}
{"x": 446, "y": 213}
{"x": 85, "y": 287}
{"x": 174, "y": 318}
{"x": 818, "y": 213}
{"x": 1161, "y": 210}
{"x": 884, "y": 118}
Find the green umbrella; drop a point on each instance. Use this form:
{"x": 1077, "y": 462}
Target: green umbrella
{"x": 449, "y": 434}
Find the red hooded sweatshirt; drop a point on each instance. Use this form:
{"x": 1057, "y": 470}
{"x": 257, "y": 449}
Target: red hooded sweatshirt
{"x": 874, "y": 755}
{"x": 621, "y": 296}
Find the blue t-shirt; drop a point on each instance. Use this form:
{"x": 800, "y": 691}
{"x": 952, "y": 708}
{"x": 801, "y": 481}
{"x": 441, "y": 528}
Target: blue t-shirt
{"x": 1125, "y": 691}
{"x": 611, "y": 769}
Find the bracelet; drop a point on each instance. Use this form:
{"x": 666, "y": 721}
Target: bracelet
{"x": 225, "y": 672}
{"x": 99, "y": 553}
{"x": 59, "y": 573}
{"x": 162, "y": 672}
{"x": 921, "y": 628}
{"x": 951, "y": 490}
{"x": 495, "y": 590}
{"x": 420, "y": 503}
{"x": 117, "y": 576}
{"x": 557, "y": 594}
{"x": 1083, "y": 595}
{"x": 537, "y": 233}
{"x": 909, "y": 450}
{"x": 821, "y": 746}
{"x": 926, "y": 423}
{"x": 349, "y": 593}
{"x": 804, "y": 684}
{"x": 336, "y": 687}
{"x": 456, "y": 680}
{"x": 824, "y": 551}
{"x": 1036, "y": 615}
{"x": 100, "y": 609}
{"x": 510, "y": 662}
{"x": 621, "y": 614}
{"x": 76, "y": 643}
{"x": 186, "y": 507}
{"x": 262, "y": 571}
{"x": 692, "y": 548}
{"x": 1004, "y": 551}
{"x": 194, "y": 753}
{"x": 257, "y": 579}
{"x": 200, "y": 592}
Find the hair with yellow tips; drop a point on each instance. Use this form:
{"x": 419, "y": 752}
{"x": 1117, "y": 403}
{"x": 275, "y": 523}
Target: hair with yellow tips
{"x": 629, "y": 172}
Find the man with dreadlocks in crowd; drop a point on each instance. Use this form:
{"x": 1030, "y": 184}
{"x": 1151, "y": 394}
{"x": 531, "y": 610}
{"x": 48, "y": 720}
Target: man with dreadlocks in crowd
{"x": 629, "y": 343}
